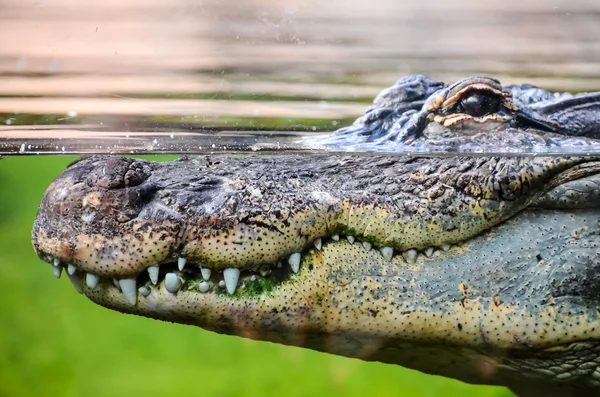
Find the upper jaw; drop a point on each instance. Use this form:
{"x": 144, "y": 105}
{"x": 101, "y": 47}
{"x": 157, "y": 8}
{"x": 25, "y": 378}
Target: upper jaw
{"x": 94, "y": 220}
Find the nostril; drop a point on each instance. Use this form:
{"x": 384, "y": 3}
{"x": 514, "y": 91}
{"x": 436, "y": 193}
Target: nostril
{"x": 147, "y": 191}
{"x": 110, "y": 173}
{"x": 118, "y": 172}
{"x": 136, "y": 176}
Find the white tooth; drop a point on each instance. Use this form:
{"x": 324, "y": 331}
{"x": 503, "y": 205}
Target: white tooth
{"x": 429, "y": 252}
{"x": 294, "y": 261}
{"x": 56, "y": 262}
{"x": 76, "y": 281}
{"x": 172, "y": 283}
{"x": 205, "y": 273}
{"x": 116, "y": 284}
{"x": 221, "y": 283}
{"x": 265, "y": 272}
{"x": 446, "y": 247}
{"x": 231, "y": 276}
{"x": 335, "y": 237}
{"x": 57, "y": 271}
{"x": 350, "y": 239}
{"x": 279, "y": 265}
{"x": 367, "y": 245}
{"x": 145, "y": 291}
{"x": 91, "y": 280}
{"x": 181, "y": 263}
{"x": 411, "y": 256}
{"x": 129, "y": 288}
{"x": 203, "y": 286}
{"x": 387, "y": 252}
{"x": 71, "y": 269}
{"x": 318, "y": 244}
{"x": 153, "y": 273}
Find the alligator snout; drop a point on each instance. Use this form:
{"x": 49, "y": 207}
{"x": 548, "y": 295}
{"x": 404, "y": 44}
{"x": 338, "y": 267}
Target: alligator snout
{"x": 93, "y": 218}
{"x": 120, "y": 218}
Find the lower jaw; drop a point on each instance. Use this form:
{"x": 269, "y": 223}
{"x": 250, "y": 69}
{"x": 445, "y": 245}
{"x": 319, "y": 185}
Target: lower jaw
{"x": 178, "y": 277}
{"x": 249, "y": 310}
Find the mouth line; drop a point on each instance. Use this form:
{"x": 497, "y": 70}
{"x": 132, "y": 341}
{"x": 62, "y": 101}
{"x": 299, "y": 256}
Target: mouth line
{"x": 181, "y": 275}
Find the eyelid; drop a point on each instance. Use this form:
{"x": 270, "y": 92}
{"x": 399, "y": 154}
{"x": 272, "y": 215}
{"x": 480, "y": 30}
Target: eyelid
{"x": 452, "y": 102}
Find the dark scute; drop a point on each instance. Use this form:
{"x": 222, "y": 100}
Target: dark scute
{"x": 527, "y": 94}
{"x": 576, "y": 115}
{"x": 392, "y": 109}
{"x": 565, "y": 113}
{"x": 410, "y": 89}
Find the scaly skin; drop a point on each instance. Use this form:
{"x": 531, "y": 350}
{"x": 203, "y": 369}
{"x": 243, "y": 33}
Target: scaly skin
{"x": 478, "y": 268}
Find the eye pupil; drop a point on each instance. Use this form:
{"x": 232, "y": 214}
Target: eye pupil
{"x": 480, "y": 104}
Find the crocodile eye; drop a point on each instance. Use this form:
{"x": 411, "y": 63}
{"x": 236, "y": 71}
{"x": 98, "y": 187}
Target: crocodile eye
{"x": 480, "y": 103}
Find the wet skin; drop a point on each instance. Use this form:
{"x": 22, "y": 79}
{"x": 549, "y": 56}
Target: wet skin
{"x": 478, "y": 268}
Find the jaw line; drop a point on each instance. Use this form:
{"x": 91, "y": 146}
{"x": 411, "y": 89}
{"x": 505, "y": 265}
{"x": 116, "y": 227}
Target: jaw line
{"x": 312, "y": 301}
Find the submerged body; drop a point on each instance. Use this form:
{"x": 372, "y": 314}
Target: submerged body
{"x": 483, "y": 269}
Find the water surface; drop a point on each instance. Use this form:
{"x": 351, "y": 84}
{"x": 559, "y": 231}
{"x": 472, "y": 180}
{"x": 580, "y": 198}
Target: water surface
{"x": 123, "y": 77}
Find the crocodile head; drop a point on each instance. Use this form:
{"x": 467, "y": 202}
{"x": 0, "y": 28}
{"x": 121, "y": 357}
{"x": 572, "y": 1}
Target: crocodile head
{"x": 482, "y": 269}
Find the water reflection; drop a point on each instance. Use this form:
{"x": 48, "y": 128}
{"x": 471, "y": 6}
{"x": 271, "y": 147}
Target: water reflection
{"x": 302, "y": 65}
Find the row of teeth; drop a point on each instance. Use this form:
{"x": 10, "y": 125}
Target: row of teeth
{"x": 231, "y": 276}
{"x": 410, "y": 256}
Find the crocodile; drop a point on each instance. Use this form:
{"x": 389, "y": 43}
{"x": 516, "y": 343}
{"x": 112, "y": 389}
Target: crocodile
{"x": 482, "y": 268}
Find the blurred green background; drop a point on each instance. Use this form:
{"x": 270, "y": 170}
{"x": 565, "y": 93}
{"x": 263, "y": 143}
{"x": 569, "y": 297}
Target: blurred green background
{"x": 54, "y": 342}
